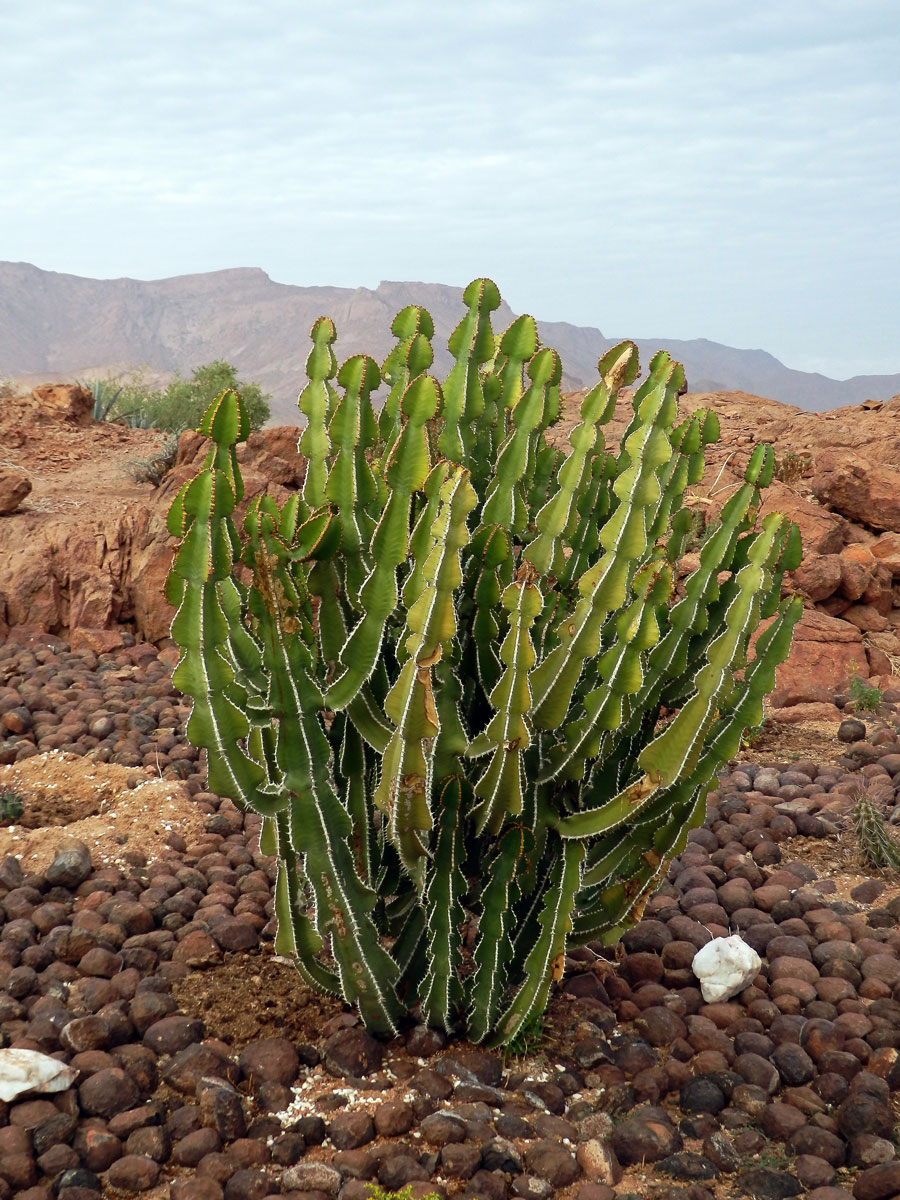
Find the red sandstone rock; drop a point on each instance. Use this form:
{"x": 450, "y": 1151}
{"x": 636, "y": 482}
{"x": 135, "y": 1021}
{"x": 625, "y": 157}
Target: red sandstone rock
{"x": 825, "y": 653}
{"x": 857, "y": 568}
{"x": 818, "y": 577}
{"x": 14, "y": 487}
{"x": 101, "y": 641}
{"x": 99, "y": 556}
{"x": 68, "y": 401}
{"x": 98, "y": 559}
{"x": 858, "y": 487}
{"x": 822, "y": 531}
{"x": 798, "y": 713}
{"x": 886, "y": 550}
{"x": 866, "y": 618}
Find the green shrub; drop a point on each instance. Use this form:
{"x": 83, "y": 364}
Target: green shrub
{"x": 129, "y": 400}
{"x": 751, "y": 737}
{"x": 375, "y": 1192}
{"x": 180, "y": 405}
{"x": 865, "y": 697}
{"x": 106, "y": 393}
{"x": 527, "y": 1039}
{"x": 438, "y": 673}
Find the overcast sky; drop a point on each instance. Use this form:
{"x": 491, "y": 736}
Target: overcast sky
{"x": 658, "y": 168}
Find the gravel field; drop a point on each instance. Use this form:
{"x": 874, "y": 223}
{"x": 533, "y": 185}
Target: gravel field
{"x": 207, "y": 1070}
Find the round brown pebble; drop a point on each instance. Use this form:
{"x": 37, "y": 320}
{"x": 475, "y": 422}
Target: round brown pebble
{"x": 197, "y": 949}
{"x": 133, "y": 1173}
{"x": 196, "y": 1188}
{"x": 173, "y": 1033}
{"x": 393, "y": 1117}
{"x": 247, "y": 1184}
{"x": 271, "y": 1060}
{"x": 350, "y": 1130}
{"x": 189, "y": 1150}
{"x": 107, "y": 1092}
{"x": 878, "y": 1183}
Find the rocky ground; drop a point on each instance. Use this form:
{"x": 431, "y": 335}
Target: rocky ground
{"x": 136, "y": 910}
{"x": 140, "y": 953}
{"x": 85, "y": 551}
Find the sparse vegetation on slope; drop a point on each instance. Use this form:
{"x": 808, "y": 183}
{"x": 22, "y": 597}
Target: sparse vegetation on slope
{"x": 177, "y": 407}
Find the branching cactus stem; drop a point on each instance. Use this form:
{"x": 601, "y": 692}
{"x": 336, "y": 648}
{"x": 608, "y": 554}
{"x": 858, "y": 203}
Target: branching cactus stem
{"x": 453, "y": 673}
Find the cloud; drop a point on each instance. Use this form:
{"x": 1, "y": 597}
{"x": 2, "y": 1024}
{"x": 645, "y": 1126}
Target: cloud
{"x": 672, "y": 167}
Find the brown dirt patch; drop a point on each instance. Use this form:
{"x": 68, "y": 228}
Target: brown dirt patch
{"x": 73, "y": 469}
{"x": 67, "y": 796}
{"x": 838, "y": 858}
{"x": 253, "y": 996}
{"x": 807, "y": 739}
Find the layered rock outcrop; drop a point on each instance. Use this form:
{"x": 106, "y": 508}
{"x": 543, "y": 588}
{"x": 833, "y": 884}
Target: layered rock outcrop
{"x": 87, "y": 548}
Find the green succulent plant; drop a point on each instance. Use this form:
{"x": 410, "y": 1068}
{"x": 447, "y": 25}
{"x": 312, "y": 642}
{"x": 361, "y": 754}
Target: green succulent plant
{"x": 438, "y": 671}
{"x": 11, "y": 806}
{"x": 866, "y": 697}
{"x": 876, "y": 845}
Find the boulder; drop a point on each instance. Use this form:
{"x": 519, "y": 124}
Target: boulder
{"x": 866, "y": 618}
{"x": 66, "y": 401}
{"x": 799, "y": 713}
{"x": 273, "y": 453}
{"x": 825, "y": 654}
{"x": 886, "y": 550}
{"x": 880, "y": 593}
{"x": 14, "y": 487}
{"x": 859, "y": 488}
{"x": 67, "y": 574}
{"x": 101, "y": 641}
{"x": 104, "y": 562}
{"x": 269, "y": 463}
{"x": 822, "y": 531}
{"x": 857, "y": 564}
{"x": 887, "y": 642}
{"x": 818, "y": 577}
{"x": 270, "y": 453}
{"x": 879, "y": 663}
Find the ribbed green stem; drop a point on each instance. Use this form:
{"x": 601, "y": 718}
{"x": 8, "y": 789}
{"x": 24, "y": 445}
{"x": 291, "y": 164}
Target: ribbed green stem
{"x": 438, "y": 672}
{"x": 877, "y": 846}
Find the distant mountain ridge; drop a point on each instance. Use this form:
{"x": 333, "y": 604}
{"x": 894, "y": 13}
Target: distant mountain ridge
{"x": 63, "y": 326}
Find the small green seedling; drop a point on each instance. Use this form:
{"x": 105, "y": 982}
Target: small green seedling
{"x": 11, "y": 807}
{"x": 865, "y": 697}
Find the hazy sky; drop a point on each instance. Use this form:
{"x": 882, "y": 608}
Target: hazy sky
{"x": 659, "y": 168}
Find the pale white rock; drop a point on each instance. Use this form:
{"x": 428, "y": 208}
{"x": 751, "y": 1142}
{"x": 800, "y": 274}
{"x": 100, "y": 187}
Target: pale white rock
{"x": 30, "y": 1071}
{"x": 725, "y": 966}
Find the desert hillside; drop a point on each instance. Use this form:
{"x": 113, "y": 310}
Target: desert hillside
{"x": 63, "y": 327}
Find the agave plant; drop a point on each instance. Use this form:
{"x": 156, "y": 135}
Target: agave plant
{"x": 453, "y": 674}
{"x": 105, "y": 392}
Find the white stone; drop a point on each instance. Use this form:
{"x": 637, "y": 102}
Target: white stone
{"x": 31, "y": 1071}
{"x": 725, "y": 966}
